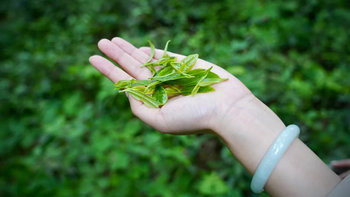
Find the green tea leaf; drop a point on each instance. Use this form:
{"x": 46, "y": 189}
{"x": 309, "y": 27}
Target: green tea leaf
{"x": 188, "y": 62}
{"x": 177, "y": 67}
{"x": 196, "y": 88}
{"x": 149, "y": 64}
{"x": 163, "y": 61}
{"x": 164, "y": 71}
{"x": 172, "y": 91}
{"x": 205, "y": 89}
{"x": 168, "y": 74}
{"x": 169, "y": 77}
{"x": 166, "y": 61}
{"x": 160, "y": 95}
{"x": 166, "y": 47}
{"x": 152, "y": 51}
{"x": 187, "y": 90}
{"x": 122, "y": 84}
{"x": 138, "y": 93}
{"x": 211, "y": 78}
{"x": 151, "y": 87}
{"x": 151, "y": 68}
{"x": 196, "y": 74}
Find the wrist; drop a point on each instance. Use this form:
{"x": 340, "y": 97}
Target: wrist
{"x": 248, "y": 127}
{"x": 247, "y": 114}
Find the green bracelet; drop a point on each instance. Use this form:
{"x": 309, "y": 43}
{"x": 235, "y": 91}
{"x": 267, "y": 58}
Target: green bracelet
{"x": 272, "y": 156}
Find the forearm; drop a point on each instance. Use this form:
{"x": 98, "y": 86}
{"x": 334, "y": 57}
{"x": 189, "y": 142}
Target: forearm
{"x": 299, "y": 172}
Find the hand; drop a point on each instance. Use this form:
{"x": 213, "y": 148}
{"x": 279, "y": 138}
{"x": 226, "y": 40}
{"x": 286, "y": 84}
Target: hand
{"x": 181, "y": 114}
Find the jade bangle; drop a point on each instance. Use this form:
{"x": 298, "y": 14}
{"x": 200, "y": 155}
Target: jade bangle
{"x": 272, "y": 156}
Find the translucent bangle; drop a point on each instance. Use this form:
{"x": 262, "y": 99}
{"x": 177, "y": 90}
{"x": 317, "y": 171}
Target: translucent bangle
{"x": 272, "y": 156}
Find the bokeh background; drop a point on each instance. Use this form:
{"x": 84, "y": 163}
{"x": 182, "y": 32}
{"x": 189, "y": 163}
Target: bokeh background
{"x": 65, "y": 132}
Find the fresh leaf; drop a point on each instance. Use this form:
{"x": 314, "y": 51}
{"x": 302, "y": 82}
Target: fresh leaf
{"x": 169, "y": 77}
{"x": 196, "y": 88}
{"x": 166, "y": 48}
{"x": 122, "y": 84}
{"x": 205, "y": 89}
{"x": 177, "y": 67}
{"x": 168, "y": 74}
{"x": 151, "y": 87}
{"x": 160, "y": 95}
{"x": 151, "y": 68}
{"x": 211, "y": 78}
{"x": 187, "y": 90}
{"x": 196, "y": 74}
{"x": 172, "y": 91}
{"x": 164, "y": 71}
{"x": 147, "y": 64}
{"x": 188, "y": 62}
{"x": 152, "y": 51}
{"x": 138, "y": 93}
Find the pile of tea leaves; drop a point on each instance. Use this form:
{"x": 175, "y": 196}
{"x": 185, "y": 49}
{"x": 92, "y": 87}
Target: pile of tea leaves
{"x": 169, "y": 78}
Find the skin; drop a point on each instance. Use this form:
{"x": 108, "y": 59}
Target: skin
{"x": 246, "y": 125}
{"x": 342, "y": 164}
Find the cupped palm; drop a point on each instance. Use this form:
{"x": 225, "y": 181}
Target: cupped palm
{"x": 181, "y": 114}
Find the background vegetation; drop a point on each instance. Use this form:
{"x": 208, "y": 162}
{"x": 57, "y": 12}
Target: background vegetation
{"x": 65, "y": 132}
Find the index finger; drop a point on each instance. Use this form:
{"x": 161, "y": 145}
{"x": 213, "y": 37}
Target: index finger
{"x": 124, "y": 60}
{"x": 108, "y": 69}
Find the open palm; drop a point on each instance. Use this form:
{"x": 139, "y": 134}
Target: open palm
{"x": 181, "y": 114}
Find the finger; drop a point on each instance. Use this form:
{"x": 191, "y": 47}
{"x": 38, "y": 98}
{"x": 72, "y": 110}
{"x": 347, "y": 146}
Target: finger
{"x": 341, "y": 163}
{"x": 130, "y": 49}
{"x": 345, "y": 174}
{"x": 200, "y": 63}
{"x": 159, "y": 53}
{"x": 108, "y": 69}
{"x": 128, "y": 63}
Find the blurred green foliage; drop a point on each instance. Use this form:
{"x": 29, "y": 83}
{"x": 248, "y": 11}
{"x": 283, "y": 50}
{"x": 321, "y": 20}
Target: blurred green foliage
{"x": 65, "y": 132}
